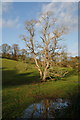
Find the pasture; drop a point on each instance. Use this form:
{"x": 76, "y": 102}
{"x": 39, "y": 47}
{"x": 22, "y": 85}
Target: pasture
{"x": 22, "y": 87}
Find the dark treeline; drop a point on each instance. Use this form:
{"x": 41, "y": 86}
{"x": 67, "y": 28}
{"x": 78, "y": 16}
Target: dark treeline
{"x": 13, "y": 52}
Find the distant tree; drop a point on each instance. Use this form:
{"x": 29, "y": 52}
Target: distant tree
{"x": 47, "y": 48}
{"x": 23, "y": 54}
{"x": 64, "y": 57}
{"x": 5, "y": 48}
{"x": 15, "y": 51}
{"x": 74, "y": 62}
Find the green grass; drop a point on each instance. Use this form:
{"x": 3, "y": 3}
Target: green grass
{"x": 18, "y": 73}
{"x": 21, "y": 87}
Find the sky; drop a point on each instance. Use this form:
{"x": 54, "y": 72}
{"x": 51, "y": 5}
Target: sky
{"x": 14, "y": 14}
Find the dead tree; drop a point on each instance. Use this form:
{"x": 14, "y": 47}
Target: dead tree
{"x": 16, "y": 50}
{"x": 47, "y": 46}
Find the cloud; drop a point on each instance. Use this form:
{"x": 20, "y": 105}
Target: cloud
{"x": 6, "y": 6}
{"x": 11, "y": 23}
{"x": 67, "y": 13}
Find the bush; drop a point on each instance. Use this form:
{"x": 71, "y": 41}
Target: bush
{"x": 56, "y": 73}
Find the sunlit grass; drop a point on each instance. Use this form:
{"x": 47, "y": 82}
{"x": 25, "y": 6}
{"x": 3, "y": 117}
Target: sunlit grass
{"x": 21, "y": 87}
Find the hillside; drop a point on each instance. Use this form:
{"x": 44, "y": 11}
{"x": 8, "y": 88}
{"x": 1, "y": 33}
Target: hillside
{"x": 16, "y": 73}
{"x": 21, "y": 87}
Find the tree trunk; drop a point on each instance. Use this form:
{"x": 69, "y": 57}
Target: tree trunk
{"x": 45, "y": 72}
{"x": 40, "y": 72}
{"x": 44, "y": 76}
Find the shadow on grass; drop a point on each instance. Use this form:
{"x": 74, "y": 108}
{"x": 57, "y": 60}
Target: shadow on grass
{"x": 11, "y": 78}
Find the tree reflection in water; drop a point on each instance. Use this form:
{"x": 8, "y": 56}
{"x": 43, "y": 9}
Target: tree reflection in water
{"x": 46, "y": 109}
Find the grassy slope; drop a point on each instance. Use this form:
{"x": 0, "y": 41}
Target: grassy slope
{"x": 21, "y": 87}
{"x": 18, "y": 73}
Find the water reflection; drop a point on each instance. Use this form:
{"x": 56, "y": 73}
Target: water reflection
{"x": 46, "y": 108}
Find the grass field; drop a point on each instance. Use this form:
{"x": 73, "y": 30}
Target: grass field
{"x": 21, "y": 87}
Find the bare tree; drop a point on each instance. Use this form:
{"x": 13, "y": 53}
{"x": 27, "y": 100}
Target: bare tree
{"x": 5, "y": 48}
{"x": 47, "y": 47}
{"x": 16, "y": 50}
{"x": 23, "y": 51}
{"x": 64, "y": 57}
{"x": 23, "y": 54}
